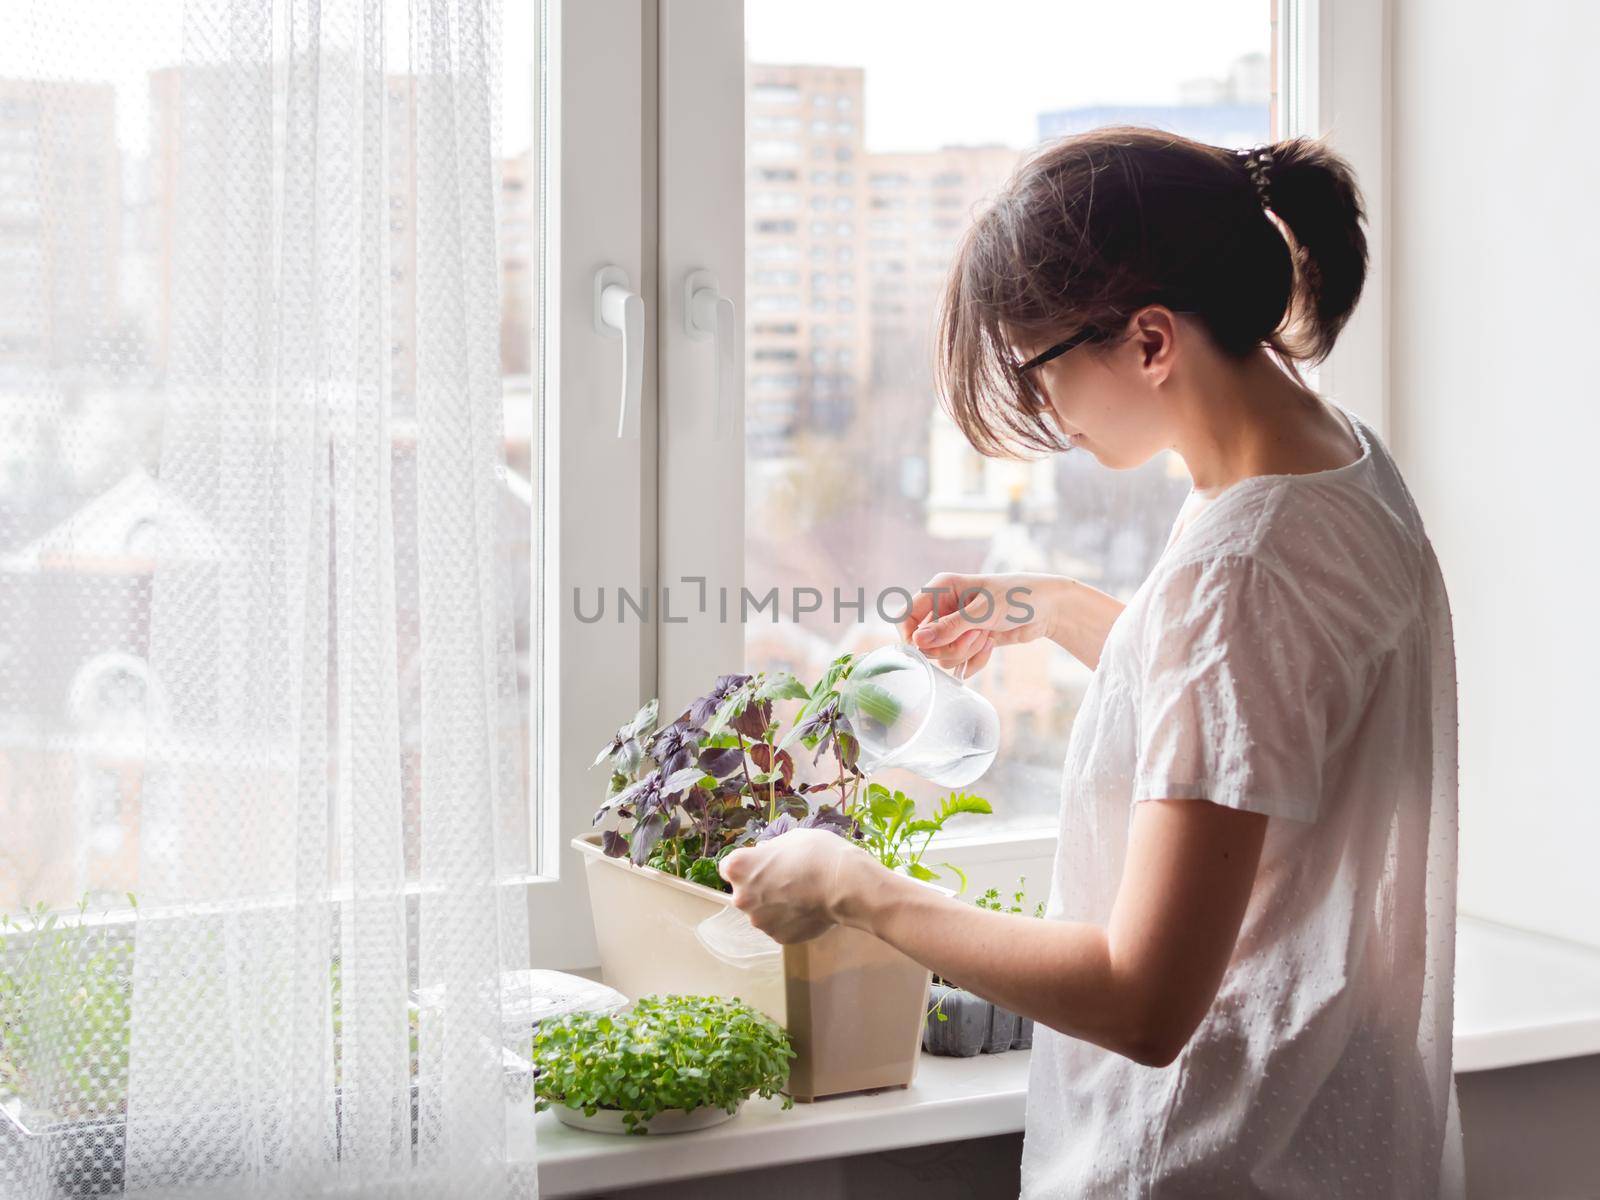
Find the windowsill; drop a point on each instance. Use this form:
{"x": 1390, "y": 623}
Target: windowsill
{"x": 1521, "y": 998}
{"x": 950, "y": 1099}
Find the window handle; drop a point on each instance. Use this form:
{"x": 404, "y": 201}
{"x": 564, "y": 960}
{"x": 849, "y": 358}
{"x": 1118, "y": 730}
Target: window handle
{"x": 707, "y": 313}
{"x": 619, "y": 312}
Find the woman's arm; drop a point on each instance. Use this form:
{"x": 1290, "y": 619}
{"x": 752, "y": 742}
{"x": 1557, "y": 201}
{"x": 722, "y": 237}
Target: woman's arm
{"x": 1138, "y": 986}
{"x": 962, "y": 618}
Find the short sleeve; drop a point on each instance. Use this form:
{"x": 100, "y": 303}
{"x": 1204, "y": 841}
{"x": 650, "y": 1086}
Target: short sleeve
{"x": 1230, "y": 703}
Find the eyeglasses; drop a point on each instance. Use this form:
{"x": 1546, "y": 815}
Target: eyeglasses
{"x": 1060, "y": 348}
{"x": 1088, "y": 334}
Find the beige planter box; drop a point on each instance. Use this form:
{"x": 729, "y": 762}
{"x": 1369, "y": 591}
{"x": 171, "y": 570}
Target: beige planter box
{"x": 853, "y": 1005}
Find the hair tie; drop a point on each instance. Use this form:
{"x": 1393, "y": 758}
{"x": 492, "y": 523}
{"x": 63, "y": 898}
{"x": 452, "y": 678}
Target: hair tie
{"x": 1258, "y": 162}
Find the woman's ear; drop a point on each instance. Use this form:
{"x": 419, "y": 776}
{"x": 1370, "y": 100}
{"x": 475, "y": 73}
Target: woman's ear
{"x": 1153, "y": 331}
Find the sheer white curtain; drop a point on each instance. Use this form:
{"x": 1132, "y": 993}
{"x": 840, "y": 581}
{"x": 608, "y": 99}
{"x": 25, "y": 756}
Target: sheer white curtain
{"x": 256, "y": 614}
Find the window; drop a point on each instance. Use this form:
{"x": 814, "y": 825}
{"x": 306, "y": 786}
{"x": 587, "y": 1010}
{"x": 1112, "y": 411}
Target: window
{"x": 773, "y": 252}
{"x": 778, "y": 303}
{"x": 774, "y": 149}
{"x": 837, "y": 397}
{"x": 942, "y": 151}
{"x": 774, "y": 93}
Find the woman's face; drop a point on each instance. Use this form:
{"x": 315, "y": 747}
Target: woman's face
{"x": 1106, "y": 396}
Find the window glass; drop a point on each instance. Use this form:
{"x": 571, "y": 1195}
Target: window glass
{"x": 854, "y": 479}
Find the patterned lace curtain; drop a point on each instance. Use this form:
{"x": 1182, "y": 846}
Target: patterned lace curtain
{"x": 260, "y": 713}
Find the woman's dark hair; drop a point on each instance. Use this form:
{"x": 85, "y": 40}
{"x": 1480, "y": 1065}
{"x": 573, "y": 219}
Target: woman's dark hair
{"x": 1095, "y": 226}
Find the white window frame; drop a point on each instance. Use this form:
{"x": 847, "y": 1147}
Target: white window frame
{"x": 1335, "y": 80}
{"x": 598, "y": 98}
{"x": 646, "y": 154}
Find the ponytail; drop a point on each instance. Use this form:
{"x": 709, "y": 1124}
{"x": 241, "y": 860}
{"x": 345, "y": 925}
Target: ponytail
{"x": 1313, "y": 192}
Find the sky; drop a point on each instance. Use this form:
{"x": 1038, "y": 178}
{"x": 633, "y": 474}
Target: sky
{"x": 944, "y": 72}
{"x": 937, "y": 71}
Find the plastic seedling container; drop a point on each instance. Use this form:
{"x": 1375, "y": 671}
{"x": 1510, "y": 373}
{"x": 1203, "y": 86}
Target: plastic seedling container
{"x": 1002, "y": 1034}
{"x": 966, "y": 1025}
{"x": 853, "y": 1005}
{"x": 972, "y": 1025}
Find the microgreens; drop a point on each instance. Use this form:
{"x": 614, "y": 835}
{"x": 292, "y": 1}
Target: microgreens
{"x": 663, "y": 1052}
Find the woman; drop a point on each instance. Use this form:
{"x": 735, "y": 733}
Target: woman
{"x": 1245, "y": 978}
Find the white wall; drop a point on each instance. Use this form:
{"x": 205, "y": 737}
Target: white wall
{"x": 1495, "y": 394}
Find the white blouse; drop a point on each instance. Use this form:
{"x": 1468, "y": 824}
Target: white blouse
{"x": 1290, "y": 654}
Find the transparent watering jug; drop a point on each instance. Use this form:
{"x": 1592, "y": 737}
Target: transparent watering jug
{"x": 910, "y": 714}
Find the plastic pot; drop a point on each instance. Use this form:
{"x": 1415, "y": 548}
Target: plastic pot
{"x": 853, "y": 1006}
{"x": 672, "y": 1120}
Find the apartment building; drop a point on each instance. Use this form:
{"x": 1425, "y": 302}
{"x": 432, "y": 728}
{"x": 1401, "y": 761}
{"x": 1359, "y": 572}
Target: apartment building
{"x": 60, "y": 221}
{"x": 807, "y": 365}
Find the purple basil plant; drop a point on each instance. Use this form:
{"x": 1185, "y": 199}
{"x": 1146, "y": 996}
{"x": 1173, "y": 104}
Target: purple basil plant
{"x": 724, "y": 775}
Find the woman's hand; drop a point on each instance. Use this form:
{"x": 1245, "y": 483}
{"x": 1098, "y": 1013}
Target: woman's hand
{"x": 794, "y": 886}
{"x": 958, "y": 619}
